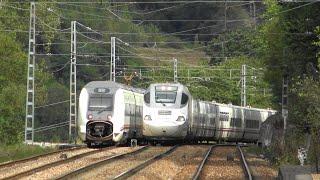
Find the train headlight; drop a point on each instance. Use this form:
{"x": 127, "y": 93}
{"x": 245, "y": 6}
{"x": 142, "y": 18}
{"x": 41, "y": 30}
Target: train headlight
{"x": 109, "y": 117}
{"x": 181, "y": 118}
{"x": 90, "y": 117}
{"x": 147, "y": 118}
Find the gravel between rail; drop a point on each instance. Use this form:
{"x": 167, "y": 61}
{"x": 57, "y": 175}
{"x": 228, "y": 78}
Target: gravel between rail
{"x": 217, "y": 166}
{"x": 260, "y": 168}
{"x": 8, "y": 171}
{"x": 116, "y": 167}
{"x": 180, "y": 164}
{"x": 78, "y": 163}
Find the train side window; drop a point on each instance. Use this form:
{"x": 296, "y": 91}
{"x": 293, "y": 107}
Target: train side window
{"x": 146, "y": 98}
{"x": 252, "y": 124}
{"x": 224, "y": 117}
{"x": 184, "y": 99}
{"x": 235, "y": 122}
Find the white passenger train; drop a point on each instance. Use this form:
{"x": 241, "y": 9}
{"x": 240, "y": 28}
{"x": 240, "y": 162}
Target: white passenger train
{"x": 170, "y": 113}
{"x": 109, "y": 112}
{"x": 166, "y": 112}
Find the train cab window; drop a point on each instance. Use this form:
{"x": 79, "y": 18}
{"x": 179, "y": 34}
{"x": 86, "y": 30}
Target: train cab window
{"x": 184, "y": 99}
{"x": 100, "y": 103}
{"x": 146, "y": 98}
{"x": 166, "y": 94}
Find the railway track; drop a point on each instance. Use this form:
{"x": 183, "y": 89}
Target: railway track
{"x": 137, "y": 168}
{"x": 67, "y": 167}
{"x": 99, "y": 164}
{"x": 180, "y": 164}
{"x": 10, "y": 163}
{"x": 177, "y": 162}
{"x": 20, "y": 168}
{"x": 119, "y": 166}
{"x": 244, "y": 164}
{"x": 240, "y": 161}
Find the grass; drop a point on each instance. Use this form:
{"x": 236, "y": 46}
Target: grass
{"x": 20, "y": 151}
{"x": 253, "y": 149}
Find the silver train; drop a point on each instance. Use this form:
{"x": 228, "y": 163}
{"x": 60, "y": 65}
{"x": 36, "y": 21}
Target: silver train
{"x": 170, "y": 113}
{"x": 109, "y": 112}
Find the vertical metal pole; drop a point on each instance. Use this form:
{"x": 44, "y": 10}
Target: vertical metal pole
{"x": 254, "y": 16}
{"x": 29, "y": 121}
{"x": 225, "y": 15}
{"x": 285, "y": 101}
{"x": 243, "y": 86}
{"x": 113, "y": 60}
{"x": 73, "y": 83}
{"x": 222, "y": 46}
{"x": 175, "y": 70}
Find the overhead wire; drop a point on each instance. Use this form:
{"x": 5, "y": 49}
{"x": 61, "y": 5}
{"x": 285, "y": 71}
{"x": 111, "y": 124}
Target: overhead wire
{"x": 50, "y": 27}
{"x": 63, "y": 67}
{"x": 2, "y": 4}
{"x": 52, "y": 104}
{"x": 153, "y": 11}
{"x": 142, "y": 2}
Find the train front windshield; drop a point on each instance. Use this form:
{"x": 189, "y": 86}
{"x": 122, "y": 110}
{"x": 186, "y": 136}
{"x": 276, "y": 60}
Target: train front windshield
{"x": 98, "y": 103}
{"x": 166, "y": 94}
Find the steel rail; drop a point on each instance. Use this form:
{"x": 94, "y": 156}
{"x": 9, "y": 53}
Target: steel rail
{"x": 200, "y": 167}
{"x": 11, "y": 163}
{"x": 76, "y": 172}
{"x": 244, "y": 164}
{"x": 55, "y": 163}
{"x": 132, "y": 171}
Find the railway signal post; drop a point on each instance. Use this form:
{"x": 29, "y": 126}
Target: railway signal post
{"x": 113, "y": 60}
{"x": 243, "y": 86}
{"x": 73, "y": 83}
{"x": 29, "y": 121}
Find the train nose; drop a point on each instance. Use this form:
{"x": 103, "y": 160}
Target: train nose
{"x": 99, "y": 129}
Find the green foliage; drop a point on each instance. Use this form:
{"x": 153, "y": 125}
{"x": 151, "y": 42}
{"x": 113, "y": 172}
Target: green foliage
{"x": 193, "y": 11}
{"x": 242, "y": 42}
{"x": 12, "y": 61}
{"x": 20, "y": 151}
{"x": 12, "y": 88}
{"x": 217, "y": 83}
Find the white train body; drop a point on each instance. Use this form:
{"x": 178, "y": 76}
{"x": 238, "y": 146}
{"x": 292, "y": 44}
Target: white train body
{"x": 109, "y": 112}
{"x": 201, "y": 120}
{"x": 166, "y": 112}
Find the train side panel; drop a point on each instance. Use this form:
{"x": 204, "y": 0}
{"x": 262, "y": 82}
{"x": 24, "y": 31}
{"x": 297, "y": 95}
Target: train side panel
{"x": 236, "y": 125}
{"x": 224, "y": 115}
{"x": 252, "y": 120}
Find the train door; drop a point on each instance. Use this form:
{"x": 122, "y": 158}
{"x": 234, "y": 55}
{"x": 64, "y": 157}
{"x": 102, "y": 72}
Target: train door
{"x": 252, "y": 124}
{"x": 194, "y": 113}
{"x": 210, "y": 125}
{"x": 138, "y": 115}
{"x": 236, "y": 131}
{"x": 202, "y": 112}
{"x": 222, "y": 122}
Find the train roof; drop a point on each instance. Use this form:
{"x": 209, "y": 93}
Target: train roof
{"x": 170, "y": 84}
{"x": 240, "y": 107}
{"x": 111, "y": 84}
{"x": 166, "y": 84}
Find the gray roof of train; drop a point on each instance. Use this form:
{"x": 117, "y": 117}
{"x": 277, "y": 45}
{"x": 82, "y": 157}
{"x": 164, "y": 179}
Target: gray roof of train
{"x": 238, "y": 107}
{"x": 111, "y": 84}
